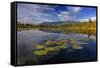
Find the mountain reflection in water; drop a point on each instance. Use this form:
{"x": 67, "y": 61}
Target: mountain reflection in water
{"x": 32, "y": 46}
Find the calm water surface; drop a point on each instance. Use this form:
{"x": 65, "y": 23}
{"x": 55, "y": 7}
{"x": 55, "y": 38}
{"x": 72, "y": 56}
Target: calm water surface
{"x": 28, "y": 39}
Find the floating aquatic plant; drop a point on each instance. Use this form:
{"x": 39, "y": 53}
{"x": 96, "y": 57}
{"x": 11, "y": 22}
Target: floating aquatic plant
{"x": 57, "y": 48}
{"x": 58, "y": 43}
{"x": 63, "y": 41}
{"x": 54, "y": 46}
{"x": 40, "y": 46}
{"x": 76, "y": 47}
{"x": 48, "y": 43}
{"x": 83, "y": 39}
{"x": 51, "y": 49}
{"x": 41, "y": 52}
{"x": 63, "y": 46}
{"x": 50, "y": 36}
{"x": 82, "y": 43}
{"x": 73, "y": 39}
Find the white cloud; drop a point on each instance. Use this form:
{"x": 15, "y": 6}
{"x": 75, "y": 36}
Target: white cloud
{"x": 35, "y": 7}
{"x": 35, "y": 20}
{"x": 74, "y": 9}
{"x": 69, "y": 14}
{"x": 64, "y": 15}
{"x": 93, "y": 18}
{"x": 35, "y": 13}
{"x": 84, "y": 20}
{"x": 87, "y": 19}
{"x": 28, "y": 20}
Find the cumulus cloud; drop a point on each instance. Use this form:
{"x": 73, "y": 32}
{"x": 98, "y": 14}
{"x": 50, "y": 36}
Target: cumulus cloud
{"x": 33, "y": 20}
{"x": 64, "y": 15}
{"x": 69, "y": 14}
{"x": 87, "y": 19}
{"x": 74, "y": 9}
{"x": 93, "y": 18}
{"x": 28, "y": 20}
{"x": 35, "y": 13}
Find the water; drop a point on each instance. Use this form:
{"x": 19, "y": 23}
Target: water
{"x": 27, "y": 40}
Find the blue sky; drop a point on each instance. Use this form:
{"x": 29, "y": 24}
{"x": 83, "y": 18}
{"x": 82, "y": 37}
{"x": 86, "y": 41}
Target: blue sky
{"x": 36, "y": 14}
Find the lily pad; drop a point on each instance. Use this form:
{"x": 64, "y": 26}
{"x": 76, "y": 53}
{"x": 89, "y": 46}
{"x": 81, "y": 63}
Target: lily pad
{"x": 40, "y": 46}
{"x": 82, "y": 43}
{"x": 51, "y": 49}
{"x": 63, "y": 46}
{"x": 63, "y": 41}
{"x": 76, "y": 47}
{"x": 58, "y": 43}
{"x": 57, "y": 48}
{"x": 41, "y": 52}
{"x": 50, "y": 42}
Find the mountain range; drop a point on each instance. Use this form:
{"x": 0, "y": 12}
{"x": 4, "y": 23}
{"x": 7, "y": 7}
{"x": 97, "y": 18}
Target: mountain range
{"x": 58, "y": 23}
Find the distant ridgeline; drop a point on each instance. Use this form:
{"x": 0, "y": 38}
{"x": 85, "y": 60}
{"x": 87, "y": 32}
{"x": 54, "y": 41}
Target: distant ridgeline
{"x": 64, "y": 24}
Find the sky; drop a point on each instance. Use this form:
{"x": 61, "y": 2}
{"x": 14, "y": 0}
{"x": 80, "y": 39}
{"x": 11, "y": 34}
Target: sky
{"x": 36, "y": 13}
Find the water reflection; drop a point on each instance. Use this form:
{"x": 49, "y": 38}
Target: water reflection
{"x": 54, "y": 46}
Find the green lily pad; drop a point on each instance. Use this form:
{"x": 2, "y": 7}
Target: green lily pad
{"x": 58, "y": 43}
{"x": 82, "y": 43}
{"x": 40, "y": 46}
{"x": 40, "y": 52}
{"x": 63, "y": 41}
{"x": 76, "y": 47}
{"x": 63, "y": 46}
{"x": 57, "y": 48}
{"x": 49, "y": 42}
{"x": 51, "y": 49}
